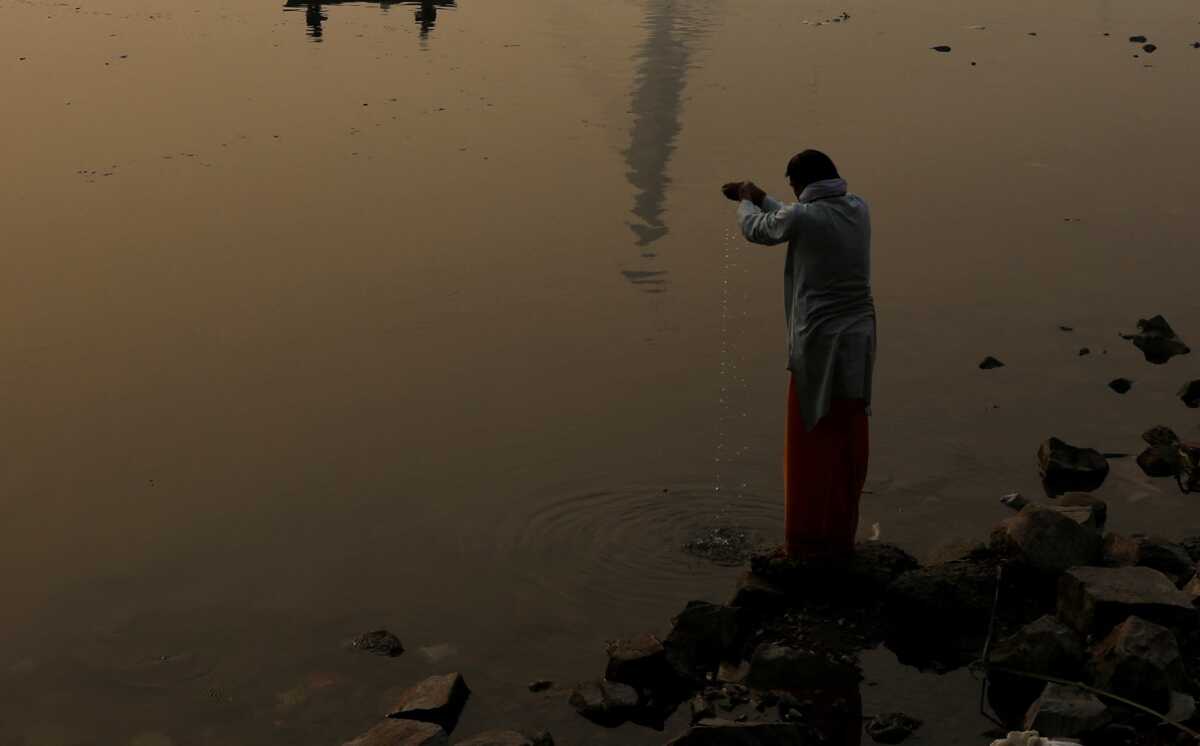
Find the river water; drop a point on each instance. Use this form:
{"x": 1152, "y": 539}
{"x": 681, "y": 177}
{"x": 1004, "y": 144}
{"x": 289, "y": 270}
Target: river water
{"x": 317, "y": 320}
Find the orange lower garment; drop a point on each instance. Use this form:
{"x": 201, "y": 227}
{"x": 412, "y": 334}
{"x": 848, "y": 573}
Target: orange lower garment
{"x": 824, "y": 470}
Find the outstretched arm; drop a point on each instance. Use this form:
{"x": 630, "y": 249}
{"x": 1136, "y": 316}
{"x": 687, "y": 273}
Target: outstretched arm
{"x": 763, "y": 219}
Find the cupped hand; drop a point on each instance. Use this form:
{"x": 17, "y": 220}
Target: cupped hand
{"x": 732, "y": 190}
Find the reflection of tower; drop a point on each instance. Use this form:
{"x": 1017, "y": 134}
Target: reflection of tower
{"x": 426, "y": 17}
{"x": 656, "y": 102}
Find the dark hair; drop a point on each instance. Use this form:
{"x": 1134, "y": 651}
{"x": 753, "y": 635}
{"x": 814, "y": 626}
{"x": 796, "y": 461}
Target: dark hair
{"x": 808, "y": 166}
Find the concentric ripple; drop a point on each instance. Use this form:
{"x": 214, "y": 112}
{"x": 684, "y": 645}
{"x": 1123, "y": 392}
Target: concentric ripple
{"x": 635, "y": 545}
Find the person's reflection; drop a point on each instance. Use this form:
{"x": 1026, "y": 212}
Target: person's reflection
{"x": 314, "y": 17}
{"x": 656, "y": 103}
{"x": 426, "y": 17}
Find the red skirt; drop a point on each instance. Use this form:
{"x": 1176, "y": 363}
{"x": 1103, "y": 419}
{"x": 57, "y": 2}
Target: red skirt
{"x": 824, "y": 470}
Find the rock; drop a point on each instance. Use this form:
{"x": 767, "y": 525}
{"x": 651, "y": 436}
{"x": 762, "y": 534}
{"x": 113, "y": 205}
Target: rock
{"x": 1094, "y": 599}
{"x": 1139, "y": 39}
{"x": 874, "y": 565}
{"x": 379, "y": 642}
{"x": 1046, "y": 540}
{"x": 1191, "y": 545}
{"x": 1120, "y": 385}
{"x": 1045, "y": 646}
{"x": 1183, "y": 707}
{"x": 1161, "y": 461}
{"x": 1196, "y": 45}
{"x": 758, "y": 595}
{"x": 1086, "y": 499}
{"x": 1167, "y": 557}
{"x": 1084, "y": 351}
{"x": 1157, "y": 340}
{"x": 937, "y": 616}
{"x": 1065, "y": 468}
{"x": 402, "y": 733}
{"x": 641, "y": 662}
{"x": 605, "y": 702}
{"x": 701, "y": 708}
{"x": 946, "y": 48}
{"x": 1161, "y": 435}
{"x": 1139, "y": 660}
{"x": 438, "y": 699}
{"x": 780, "y": 667}
{"x": 1067, "y": 712}
{"x": 892, "y": 727}
{"x": 1149, "y": 48}
{"x": 1119, "y": 551}
{"x": 509, "y": 738}
{"x": 1190, "y": 393}
{"x": 988, "y": 362}
{"x": 1014, "y": 500}
{"x": 540, "y": 685}
{"x": 729, "y": 733}
{"x": 1192, "y": 589}
{"x": 1085, "y": 515}
{"x": 703, "y": 635}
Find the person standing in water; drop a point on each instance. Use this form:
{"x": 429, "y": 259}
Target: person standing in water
{"x": 831, "y": 348}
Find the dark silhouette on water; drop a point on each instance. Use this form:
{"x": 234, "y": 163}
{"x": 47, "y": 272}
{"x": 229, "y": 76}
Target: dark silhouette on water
{"x": 656, "y": 103}
{"x": 425, "y": 15}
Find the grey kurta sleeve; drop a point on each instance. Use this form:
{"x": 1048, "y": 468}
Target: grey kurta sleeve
{"x": 769, "y": 226}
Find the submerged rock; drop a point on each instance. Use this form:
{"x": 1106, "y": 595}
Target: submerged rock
{"x": 943, "y": 48}
{"x": 1139, "y": 660}
{"x": 402, "y": 733}
{"x": 1066, "y": 468}
{"x": 438, "y": 699}
{"x": 874, "y": 565}
{"x": 1120, "y": 385}
{"x": 1161, "y": 461}
{"x": 989, "y": 362}
{"x": 780, "y": 667}
{"x": 1047, "y": 540}
{"x": 1190, "y": 393}
{"x": 1157, "y": 340}
{"x": 730, "y": 733}
{"x": 892, "y": 727}
{"x": 379, "y": 642}
{"x": 1064, "y": 711}
{"x": 1139, "y": 39}
{"x": 640, "y": 662}
{"x": 605, "y": 702}
{"x": 1149, "y": 48}
{"x": 1094, "y": 599}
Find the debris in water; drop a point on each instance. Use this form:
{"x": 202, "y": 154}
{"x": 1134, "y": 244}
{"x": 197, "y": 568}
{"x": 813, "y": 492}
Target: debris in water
{"x": 941, "y": 48}
{"x": 1084, "y": 351}
{"x": 990, "y": 362}
{"x": 723, "y": 545}
{"x": 1064, "y": 328}
{"x": 1120, "y": 385}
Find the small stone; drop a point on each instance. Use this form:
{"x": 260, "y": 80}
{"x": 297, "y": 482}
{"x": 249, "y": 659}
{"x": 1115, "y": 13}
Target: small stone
{"x": 1161, "y": 435}
{"x": 1157, "y": 340}
{"x": 604, "y": 702}
{"x": 1139, "y": 660}
{"x": 1190, "y": 393}
{"x": 1149, "y": 48}
{"x": 1065, "y": 328}
{"x": 1094, "y": 599}
{"x": 1160, "y": 461}
{"x": 1014, "y": 500}
{"x": 1120, "y": 385}
{"x": 438, "y": 699}
{"x": 1067, "y": 712}
{"x": 402, "y": 733}
{"x": 1195, "y": 45}
{"x": 540, "y": 685}
{"x": 988, "y": 362}
{"x": 379, "y": 642}
{"x": 1066, "y": 468}
{"x": 1137, "y": 39}
{"x": 1084, "y": 351}
{"x": 892, "y": 727}
{"x": 941, "y": 48}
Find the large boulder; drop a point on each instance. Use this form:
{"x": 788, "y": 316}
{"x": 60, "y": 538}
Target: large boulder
{"x": 1064, "y": 711}
{"x": 509, "y": 738}
{"x": 1066, "y": 468}
{"x": 874, "y": 565}
{"x": 438, "y": 699}
{"x": 703, "y": 635}
{"x": 758, "y": 596}
{"x": 1099, "y": 508}
{"x": 1157, "y": 340}
{"x": 1045, "y": 646}
{"x": 958, "y": 550}
{"x": 1119, "y": 551}
{"x": 1094, "y": 599}
{"x": 1168, "y": 557}
{"x": 780, "y": 667}
{"x": 1139, "y": 660}
{"x": 1046, "y": 540}
{"x": 937, "y": 617}
{"x": 729, "y": 733}
{"x": 402, "y": 733}
{"x": 605, "y": 702}
{"x": 642, "y": 663}
{"x": 1163, "y": 460}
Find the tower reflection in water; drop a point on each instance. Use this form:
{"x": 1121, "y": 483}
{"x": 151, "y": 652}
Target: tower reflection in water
{"x": 425, "y": 13}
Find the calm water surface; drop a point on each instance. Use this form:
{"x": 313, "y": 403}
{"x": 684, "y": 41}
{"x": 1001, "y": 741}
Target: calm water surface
{"x": 323, "y": 317}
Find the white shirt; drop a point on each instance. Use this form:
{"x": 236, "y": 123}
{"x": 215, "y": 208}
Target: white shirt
{"x": 827, "y": 290}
